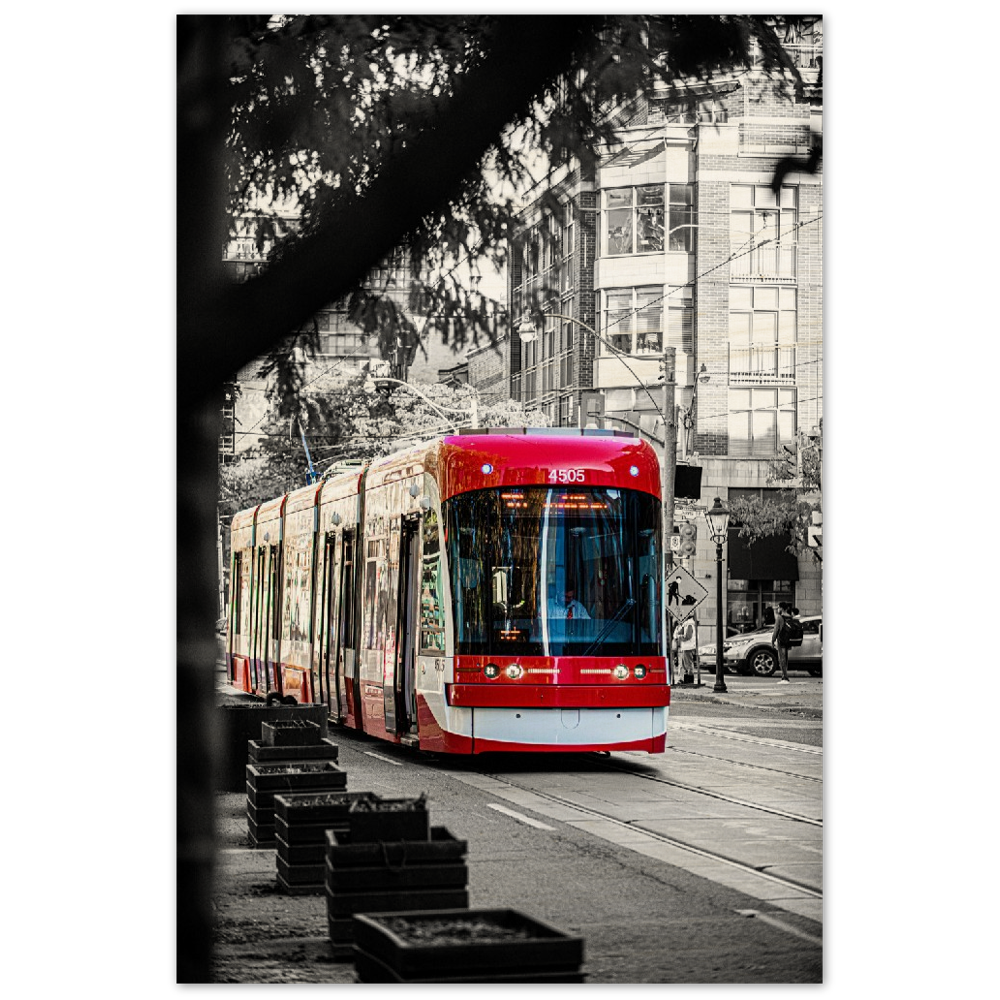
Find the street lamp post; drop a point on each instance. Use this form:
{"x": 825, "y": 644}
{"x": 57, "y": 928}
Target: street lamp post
{"x": 718, "y": 527}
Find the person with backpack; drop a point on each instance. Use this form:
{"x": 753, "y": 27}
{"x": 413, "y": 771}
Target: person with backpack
{"x": 781, "y": 639}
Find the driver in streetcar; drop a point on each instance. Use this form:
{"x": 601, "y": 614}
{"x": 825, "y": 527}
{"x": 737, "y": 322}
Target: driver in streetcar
{"x": 568, "y": 607}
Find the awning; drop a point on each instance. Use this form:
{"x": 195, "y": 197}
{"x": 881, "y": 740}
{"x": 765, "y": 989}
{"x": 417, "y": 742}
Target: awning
{"x": 767, "y": 559}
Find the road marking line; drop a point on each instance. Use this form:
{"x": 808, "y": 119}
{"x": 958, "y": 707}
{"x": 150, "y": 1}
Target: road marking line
{"x": 521, "y": 817}
{"x": 781, "y": 925}
{"x": 378, "y": 756}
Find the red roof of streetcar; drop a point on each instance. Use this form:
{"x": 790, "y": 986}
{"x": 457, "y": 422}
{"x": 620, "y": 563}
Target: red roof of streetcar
{"x": 478, "y": 461}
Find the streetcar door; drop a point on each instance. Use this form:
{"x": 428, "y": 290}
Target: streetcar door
{"x": 390, "y": 635}
{"x": 404, "y": 688}
{"x": 256, "y": 623}
{"x": 330, "y": 633}
{"x": 348, "y": 686}
{"x": 320, "y": 618}
{"x": 272, "y": 615}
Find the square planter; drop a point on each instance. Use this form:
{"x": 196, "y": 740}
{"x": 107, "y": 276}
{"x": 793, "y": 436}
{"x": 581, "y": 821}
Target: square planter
{"x": 238, "y": 723}
{"x": 316, "y": 808}
{"x": 298, "y": 776}
{"x": 479, "y": 945}
{"x": 389, "y": 819}
{"x": 266, "y": 781}
{"x": 290, "y": 733}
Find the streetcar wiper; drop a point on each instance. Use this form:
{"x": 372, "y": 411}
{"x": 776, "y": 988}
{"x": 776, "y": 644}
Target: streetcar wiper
{"x": 619, "y": 614}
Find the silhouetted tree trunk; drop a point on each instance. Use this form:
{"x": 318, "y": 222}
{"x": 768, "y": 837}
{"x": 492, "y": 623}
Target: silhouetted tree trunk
{"x": 221, "y": 327}
{"x": 201, "y": 230}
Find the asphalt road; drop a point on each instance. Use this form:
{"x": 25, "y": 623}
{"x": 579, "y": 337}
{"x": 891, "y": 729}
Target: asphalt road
{"x": 699, "y": 865}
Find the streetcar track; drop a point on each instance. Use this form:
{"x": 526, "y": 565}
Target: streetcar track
{"x": 763, "y": 741}
{"x": 741, "y": 763}
{"x": 671, "y": 841}
{"x": 756, "y": 806}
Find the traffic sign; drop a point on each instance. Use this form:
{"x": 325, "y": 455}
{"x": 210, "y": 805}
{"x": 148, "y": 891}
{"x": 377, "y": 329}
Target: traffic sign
{"x": 684, "y": 593}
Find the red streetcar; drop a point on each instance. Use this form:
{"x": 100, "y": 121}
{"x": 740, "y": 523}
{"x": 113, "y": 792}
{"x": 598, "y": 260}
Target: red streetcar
{"x": 490, "y": 591}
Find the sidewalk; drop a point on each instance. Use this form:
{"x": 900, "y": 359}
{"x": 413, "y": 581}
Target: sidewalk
{"x": 754, "y": 692}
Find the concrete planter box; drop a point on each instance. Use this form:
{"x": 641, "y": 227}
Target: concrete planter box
{"x": 238, "y": 723}
{"x": 301, "y": 825}
{"x": 388, "y": 820}
{"x": 316, "y": 808}
{"x": 297, "y": 776}
{"x": 479, "y": 945}
{"x": 290, "y": 733}
{"x": 438, "y": 862}
{"x": 389, "y": 876}
{"x": 266, "y": 781}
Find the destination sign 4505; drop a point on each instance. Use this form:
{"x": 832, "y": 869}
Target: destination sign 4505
{"x": 567, "y": 476}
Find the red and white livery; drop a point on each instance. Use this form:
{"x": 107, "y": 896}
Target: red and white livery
{"x": 489, "y": 591}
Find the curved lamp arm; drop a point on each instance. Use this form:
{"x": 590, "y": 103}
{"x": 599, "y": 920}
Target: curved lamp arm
{"x": 472, "y": 412}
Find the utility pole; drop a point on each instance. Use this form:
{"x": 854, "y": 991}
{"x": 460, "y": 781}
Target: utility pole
{"x": 667, "y": 478}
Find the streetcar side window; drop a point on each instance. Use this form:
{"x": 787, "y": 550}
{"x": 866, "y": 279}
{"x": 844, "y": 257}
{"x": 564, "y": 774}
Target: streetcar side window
{"x": 236, "y": 578}
{"x": 347, "y": 600}
{"x": 432, "y": 613}
{"x": 555, "y": 572}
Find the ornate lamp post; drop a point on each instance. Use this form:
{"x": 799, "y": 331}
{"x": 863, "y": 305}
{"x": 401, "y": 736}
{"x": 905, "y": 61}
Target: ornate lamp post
{"x": 718, "y": 528}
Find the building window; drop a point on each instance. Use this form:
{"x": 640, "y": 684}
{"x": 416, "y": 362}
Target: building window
{"x": 680, "y": 318}
{"x": 633, "y": 319}
{"x": 760, "y": 421}
{"x": 758, "y": 216}
{"x": 634, "y": 219}
{"x": 751, "y": 604}
{"x": 762, "y": 334}
{"x": 566, "y": 276}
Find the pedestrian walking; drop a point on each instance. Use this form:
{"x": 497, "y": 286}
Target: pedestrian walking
{"x": 780, "y": 639}
{"x": 686, "y": 639}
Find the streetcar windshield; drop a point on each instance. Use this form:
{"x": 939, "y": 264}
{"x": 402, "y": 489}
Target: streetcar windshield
{"x": 555, "y": 572}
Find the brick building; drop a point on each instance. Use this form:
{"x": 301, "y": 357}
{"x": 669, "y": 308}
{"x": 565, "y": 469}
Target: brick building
{"x": 677, "y": 238}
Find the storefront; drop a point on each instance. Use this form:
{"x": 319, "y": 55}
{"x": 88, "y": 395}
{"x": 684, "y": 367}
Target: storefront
{"x": 761, "y": 575}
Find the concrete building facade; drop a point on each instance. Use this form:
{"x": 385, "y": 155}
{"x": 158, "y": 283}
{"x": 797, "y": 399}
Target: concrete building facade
{"x": 678, "y": 238}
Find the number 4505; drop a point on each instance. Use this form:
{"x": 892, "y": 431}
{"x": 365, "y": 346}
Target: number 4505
{"x": 567, "y": 476}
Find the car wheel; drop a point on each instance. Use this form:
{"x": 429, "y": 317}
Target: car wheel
{"x": 815, "y": 671}
{"x": 763, "y": 662}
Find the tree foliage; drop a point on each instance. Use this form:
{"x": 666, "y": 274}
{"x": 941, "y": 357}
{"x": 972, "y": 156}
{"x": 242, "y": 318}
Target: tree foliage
{"x": 351, "y": 423}
{"x": 323, "y": 104}
{"x": 791, "y": 510}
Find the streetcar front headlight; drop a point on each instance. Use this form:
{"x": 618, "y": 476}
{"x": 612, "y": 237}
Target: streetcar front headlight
{"x": 492, "y": 671}
{"x": 620, "y": 671}
{"x": 639, "y": 671}
{"x": 514, "y": 671}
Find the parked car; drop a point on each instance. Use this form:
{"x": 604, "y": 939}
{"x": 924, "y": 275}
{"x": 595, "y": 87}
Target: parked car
{"x": 752, "y": 652}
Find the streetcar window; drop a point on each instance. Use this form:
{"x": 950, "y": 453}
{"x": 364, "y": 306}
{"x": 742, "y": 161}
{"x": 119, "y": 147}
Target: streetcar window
{"x": 572, "y": 571}
{"x": 432, "y": 613}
